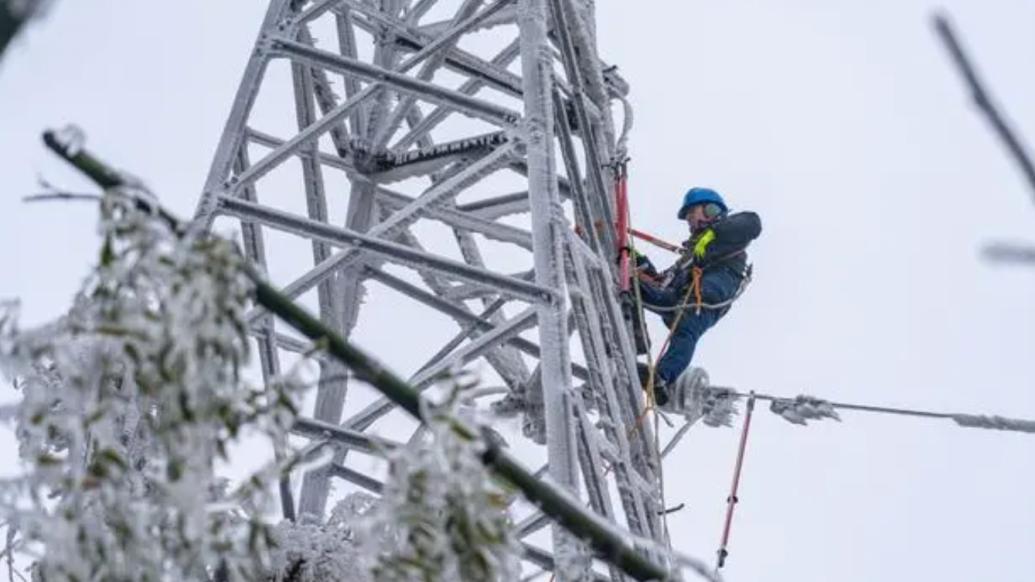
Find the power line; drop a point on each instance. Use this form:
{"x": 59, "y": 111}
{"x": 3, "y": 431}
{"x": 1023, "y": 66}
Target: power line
{"x": 802, "y": 408}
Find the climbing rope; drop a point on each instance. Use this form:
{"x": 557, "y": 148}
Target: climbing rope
{"x": 745, "y": 280}
{"x": 624, "y": 227}
{"x": 732, "y": 500}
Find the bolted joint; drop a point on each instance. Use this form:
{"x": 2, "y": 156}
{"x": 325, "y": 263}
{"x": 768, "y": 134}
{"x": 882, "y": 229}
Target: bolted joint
{"x": 552, "y": 297}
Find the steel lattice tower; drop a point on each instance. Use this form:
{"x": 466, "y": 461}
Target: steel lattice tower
{"x": 442, "y": 101}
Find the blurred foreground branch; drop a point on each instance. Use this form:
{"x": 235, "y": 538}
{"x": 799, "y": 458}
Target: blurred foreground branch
{"x": 609, "y": 543}
{"x": 983, "y": 100}
{"x": 9, "y": 25}
{"x": 1010, "y": 253}
{"x": 13, "y": 16}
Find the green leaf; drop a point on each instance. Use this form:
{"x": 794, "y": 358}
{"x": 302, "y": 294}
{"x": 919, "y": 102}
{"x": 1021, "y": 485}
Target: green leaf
{"x": 107, "y": 252}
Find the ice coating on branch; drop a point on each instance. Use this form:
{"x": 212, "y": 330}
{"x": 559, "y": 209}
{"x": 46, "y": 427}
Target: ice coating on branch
{"x": 71, "y": 137}
{"x": 128, "y": 400}
{"x": 441, "y": 516}
{"x": 309, "y": 552}
{"x": 801, "y": 409}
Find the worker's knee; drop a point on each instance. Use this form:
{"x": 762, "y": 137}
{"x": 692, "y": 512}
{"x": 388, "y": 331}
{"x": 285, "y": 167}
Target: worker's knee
{"x": 695, "y": 324}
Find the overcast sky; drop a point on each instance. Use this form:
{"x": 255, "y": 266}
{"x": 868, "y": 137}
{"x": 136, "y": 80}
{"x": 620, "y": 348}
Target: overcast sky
{"x": 841, "y": 123}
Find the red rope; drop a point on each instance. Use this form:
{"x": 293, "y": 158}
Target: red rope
{"x": 732, "y": 500}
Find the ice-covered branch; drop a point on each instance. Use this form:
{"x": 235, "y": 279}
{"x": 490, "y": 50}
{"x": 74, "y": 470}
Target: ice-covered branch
{"x": 128, "y": 401}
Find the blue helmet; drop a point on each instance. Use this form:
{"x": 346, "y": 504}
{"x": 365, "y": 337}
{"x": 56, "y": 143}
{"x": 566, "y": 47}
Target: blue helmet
{"x": 695, "y": 196}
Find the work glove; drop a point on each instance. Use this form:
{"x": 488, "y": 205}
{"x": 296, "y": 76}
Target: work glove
{"x": 699, "y": 246}
{"x": 643, "y": 264}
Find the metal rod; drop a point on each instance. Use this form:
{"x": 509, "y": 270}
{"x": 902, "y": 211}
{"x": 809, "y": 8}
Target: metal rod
{"x": 732, "y": 500}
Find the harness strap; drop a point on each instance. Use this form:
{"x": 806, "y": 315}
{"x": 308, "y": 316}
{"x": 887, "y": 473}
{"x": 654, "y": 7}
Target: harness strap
{"x": 695, "y": 284}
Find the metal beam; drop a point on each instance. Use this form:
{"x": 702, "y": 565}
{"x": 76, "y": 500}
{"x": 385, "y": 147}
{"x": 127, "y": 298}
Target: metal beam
{"x": 547, "y": 228}
{"x": 461, "y": 24}
{"x": 423, "y": 379}
{"x": 391, "y": 251}
{"x": 461, "y": 315}
{"x": 391, "y": 227}
{"x": 458, "y": 219}
{"x": 400, "y": 82}
{"x": 356, "y": 478}
{"x": 353, "y": 439}
{"x": 470, "y": 87}
{"x": 457, "y": 60}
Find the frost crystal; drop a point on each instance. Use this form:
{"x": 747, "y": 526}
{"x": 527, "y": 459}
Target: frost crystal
{"x": 128, "y": 400}
{"x": 318, "y": 553}
{"x": 802, "y": 409}
{"x": 441, "y": 516}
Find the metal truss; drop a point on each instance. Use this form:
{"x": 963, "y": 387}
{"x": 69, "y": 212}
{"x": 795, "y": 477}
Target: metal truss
{"x": 441, "y": 100}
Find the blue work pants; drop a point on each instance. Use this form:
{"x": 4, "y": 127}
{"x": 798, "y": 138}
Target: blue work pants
{"x": 717, "y": 286}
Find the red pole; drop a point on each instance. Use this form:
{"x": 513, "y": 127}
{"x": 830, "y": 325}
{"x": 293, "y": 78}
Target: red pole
{"x": 732, "y": 500}
{"x": 655, "y": 241}
{"x": 622, "y": 226}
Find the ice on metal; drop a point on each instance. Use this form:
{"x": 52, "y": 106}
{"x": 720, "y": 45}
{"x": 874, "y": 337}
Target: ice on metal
{"x": 802, "y": 408}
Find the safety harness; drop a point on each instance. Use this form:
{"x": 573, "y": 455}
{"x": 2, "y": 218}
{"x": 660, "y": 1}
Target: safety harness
{"x": 696, "y": 273}
{"x": 631, "y": 297}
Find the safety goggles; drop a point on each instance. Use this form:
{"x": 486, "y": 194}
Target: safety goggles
{"x": 710, "y": 210}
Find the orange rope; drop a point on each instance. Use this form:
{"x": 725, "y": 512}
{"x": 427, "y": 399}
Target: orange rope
{"x": 695, "y": 274}
{"x": 651, "y": 402}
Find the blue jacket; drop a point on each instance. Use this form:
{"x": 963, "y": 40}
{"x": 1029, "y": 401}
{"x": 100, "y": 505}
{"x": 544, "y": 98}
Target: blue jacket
{"x": 724, "y": 260}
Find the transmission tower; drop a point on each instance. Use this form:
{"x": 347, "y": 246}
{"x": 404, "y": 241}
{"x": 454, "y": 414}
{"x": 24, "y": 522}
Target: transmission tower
{"x": 359, "y": 123}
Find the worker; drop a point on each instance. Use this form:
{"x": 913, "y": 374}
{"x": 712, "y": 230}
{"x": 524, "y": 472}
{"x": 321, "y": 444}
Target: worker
{"x": 716, "y": 249}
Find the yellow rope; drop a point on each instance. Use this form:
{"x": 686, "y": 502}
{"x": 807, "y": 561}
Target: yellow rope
{"x": 651, "y": 404}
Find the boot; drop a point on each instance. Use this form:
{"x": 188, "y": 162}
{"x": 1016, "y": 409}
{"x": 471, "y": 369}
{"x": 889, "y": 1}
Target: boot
{"x": 661, "y": 389}
{"x": 632, "y": 317}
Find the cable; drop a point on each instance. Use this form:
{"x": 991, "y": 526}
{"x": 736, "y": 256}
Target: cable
{"x": 968, "y": 420}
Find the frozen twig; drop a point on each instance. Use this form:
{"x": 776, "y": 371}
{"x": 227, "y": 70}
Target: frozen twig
{"x": 982, "y": 98}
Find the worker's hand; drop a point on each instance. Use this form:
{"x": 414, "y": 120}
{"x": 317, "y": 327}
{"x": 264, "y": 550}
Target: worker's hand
{"x": 642, "y": 263}
{"x": 700, "y": 247}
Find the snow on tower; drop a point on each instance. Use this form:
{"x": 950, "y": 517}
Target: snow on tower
{"x": 416, "y": 171}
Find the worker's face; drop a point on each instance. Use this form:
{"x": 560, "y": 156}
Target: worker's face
{"x": 696, "y": 219}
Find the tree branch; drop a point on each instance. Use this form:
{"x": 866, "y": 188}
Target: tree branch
{"x": 982, "y": 99}
{"x": 1010, "y": 253}
{"x": 9, "y": 25}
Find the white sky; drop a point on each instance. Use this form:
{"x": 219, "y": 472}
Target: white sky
{"x": 841, "y": 123}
